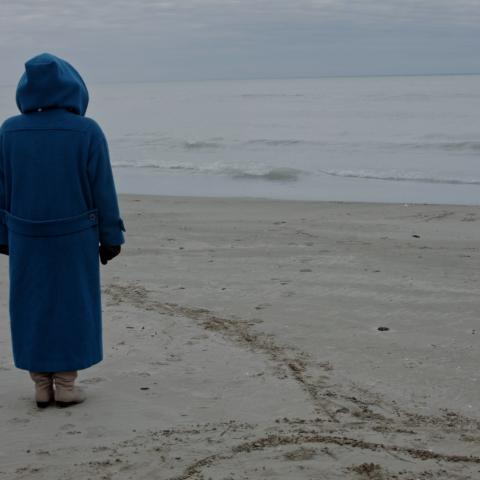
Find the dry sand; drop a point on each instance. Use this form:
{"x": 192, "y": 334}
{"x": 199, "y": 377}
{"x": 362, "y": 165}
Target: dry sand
{"x": 242, "y": 342}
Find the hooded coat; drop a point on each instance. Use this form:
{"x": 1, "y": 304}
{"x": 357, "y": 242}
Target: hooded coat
{"x": 57, "y": 204}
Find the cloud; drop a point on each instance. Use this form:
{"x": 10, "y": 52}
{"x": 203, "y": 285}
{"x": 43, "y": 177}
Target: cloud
{"x": 37, "y": 14}
{"x": 149, "y": 39}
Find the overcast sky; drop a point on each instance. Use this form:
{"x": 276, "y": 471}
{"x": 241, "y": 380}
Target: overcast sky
{"x": 148, "y": 40}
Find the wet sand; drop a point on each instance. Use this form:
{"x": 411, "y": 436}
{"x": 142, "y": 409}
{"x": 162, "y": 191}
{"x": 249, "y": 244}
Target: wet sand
{"x": 250, "y": 339}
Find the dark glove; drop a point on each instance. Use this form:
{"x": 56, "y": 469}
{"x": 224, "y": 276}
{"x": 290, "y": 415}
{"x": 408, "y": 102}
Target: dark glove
{"x": 107, "y": 252}
{"x": 4, "y": 249}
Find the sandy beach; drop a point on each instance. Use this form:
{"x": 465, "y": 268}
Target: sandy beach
{"x": 262, "y": 339}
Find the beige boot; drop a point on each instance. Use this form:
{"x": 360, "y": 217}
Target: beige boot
{"x": 66, "y": 393}
{"x": 44, "y": 394}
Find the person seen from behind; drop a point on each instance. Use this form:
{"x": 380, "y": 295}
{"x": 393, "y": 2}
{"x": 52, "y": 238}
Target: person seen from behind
{"x": 59, "y": 216}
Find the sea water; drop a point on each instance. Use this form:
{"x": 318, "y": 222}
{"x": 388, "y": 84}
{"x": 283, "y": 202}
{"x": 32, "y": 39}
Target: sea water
{"x": 380, "y": 139}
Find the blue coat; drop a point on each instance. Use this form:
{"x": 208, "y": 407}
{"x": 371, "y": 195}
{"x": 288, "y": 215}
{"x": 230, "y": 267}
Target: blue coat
{"x": 57, "y": 203}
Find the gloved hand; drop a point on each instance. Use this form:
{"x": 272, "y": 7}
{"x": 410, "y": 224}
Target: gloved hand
{"x": 4, "y": 249}
{"x": 107, "y": 252}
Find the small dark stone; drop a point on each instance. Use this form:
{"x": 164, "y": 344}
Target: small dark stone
{"x": 144, "y": 388}
{"x": 416, "y": 236}
{"x": 383, "y": 329}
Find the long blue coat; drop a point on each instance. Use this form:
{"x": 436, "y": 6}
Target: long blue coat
{"x": 57, "y": 203}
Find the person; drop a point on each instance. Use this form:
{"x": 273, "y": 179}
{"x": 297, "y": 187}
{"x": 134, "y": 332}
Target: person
{"x": 59, "y": 215}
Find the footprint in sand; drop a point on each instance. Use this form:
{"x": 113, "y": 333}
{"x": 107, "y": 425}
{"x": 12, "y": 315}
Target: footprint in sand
{"x": 67, "y": 426}
{"x": 97, "y": 431}
{"x": 302, "y": 453}
{"x": 174, "y": 358}
{"x": 19, "y": 421}
{"x": 305, "y": 260}
{"x": 262, "y": 306}
{"x": 92, "y": 380}
{"x": 201, "y": 336}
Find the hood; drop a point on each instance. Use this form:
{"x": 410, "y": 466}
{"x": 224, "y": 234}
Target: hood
{"x": 50, "y": 82}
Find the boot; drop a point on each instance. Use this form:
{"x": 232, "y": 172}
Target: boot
{"x": 66, "y": 393}
{"x": 44, "y": 394}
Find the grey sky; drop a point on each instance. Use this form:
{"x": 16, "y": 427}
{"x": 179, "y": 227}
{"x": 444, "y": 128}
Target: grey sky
{"x": 128, "y": 40}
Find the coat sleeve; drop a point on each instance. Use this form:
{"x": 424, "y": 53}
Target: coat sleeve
{"x": 3, "y": 228}
{"x": 104, "y": 195}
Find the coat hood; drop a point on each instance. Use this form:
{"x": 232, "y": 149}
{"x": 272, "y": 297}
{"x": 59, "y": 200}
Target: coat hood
{"x": 51, "y": 82}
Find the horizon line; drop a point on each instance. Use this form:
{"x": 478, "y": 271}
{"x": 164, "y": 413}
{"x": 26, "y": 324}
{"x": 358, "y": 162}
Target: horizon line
{"x": 313, "y": 77}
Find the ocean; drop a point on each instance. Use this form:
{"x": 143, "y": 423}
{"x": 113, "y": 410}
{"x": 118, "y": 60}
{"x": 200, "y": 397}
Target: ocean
{"x": 376, "y": 139}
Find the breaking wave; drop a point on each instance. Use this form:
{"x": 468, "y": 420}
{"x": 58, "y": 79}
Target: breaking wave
{"x": 157, "y": 140}
{"x": 398, "y": 177}
{"x": 287, "y": 174}
{"x": 200, "y": 145}
{"x": 276, "y": 143}
{"x": 278, "y": 174}
{"x": 449, "y": 145}
{"x": 461, "y": 146}
{"x": 271, "y": 95}
{"x": 452, "y": 146}
{"x": 273, "y": 175}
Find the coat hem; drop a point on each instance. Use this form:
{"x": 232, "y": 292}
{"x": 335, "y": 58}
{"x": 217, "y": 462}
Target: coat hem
{"x": 57, "y": 367}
